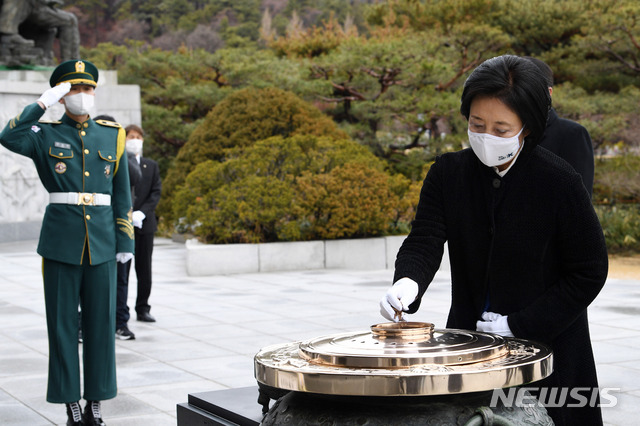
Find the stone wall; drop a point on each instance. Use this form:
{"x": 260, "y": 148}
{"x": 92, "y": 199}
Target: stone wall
{"x": 364, "y": 254}
{"x": 22, "y": 197}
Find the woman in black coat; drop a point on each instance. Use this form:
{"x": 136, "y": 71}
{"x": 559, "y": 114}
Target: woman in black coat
{"x": 526, "y": 248}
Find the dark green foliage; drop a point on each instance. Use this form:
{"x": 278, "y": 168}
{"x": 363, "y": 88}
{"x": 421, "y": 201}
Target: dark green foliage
{"x": 177, "y": 90}
{"x": 617, "y": 180}
{"x": 414, "y": 164}
{"x": 616, "y": 193}
{"x": 291, "y": 189}
{"x": 621, "y": 225}
{"x": 241, "y": 119}
{"x": 384, "y": 81}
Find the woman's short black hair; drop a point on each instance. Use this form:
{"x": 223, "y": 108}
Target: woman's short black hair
{"x": 517, "y": 83}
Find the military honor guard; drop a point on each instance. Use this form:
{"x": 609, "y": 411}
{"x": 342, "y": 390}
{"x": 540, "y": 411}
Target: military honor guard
{"x": 86, "y": 229}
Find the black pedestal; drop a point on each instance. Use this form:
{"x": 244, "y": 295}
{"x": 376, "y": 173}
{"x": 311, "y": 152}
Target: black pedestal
{"x": 224, "y": 407}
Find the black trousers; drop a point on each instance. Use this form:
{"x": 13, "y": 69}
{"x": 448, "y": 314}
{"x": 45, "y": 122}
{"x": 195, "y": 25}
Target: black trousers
{"x": 122, "y": 310}
{"x": 144, "y": 252}
{"x": 142, "y": 258}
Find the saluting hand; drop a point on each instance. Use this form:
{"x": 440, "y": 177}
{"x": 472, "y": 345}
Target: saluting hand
{"x": 53, "y": 95}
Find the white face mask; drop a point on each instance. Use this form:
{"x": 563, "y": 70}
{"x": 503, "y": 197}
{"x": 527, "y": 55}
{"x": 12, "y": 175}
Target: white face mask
{"x": 80, "y": 103}
{"x": 493, "y": 150}
{"x": 134, "y": 146}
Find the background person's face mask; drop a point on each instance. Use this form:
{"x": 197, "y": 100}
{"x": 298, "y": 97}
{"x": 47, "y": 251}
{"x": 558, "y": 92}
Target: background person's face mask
{"x": 493, "y": 150}
{"x": 134, "y": 146}
{"x": 80, "y": 103}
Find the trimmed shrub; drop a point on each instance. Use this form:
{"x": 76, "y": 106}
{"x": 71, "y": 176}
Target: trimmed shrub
{"x": 293, "y": 189}
{"x": 621, "y": 226}
{"x": 617, "y": 180}
{"x": 241, "y": 119}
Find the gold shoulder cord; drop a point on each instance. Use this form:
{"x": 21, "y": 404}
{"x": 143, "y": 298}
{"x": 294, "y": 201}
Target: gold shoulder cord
{"x": 108, "y": 123}
{"x": 120, "y": 147}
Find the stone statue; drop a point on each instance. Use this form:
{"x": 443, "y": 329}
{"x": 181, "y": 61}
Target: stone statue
{"x": 28, "y": 29}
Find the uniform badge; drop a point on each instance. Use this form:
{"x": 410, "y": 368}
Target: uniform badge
{"x": 107, "y": 170}
{"x": 60, "y": 167}
{"x": 35, "y": 129}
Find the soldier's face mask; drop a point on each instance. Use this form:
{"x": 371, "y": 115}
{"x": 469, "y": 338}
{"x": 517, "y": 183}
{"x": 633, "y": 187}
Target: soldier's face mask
{"x": 79, "y": 103}
{"x": 134, "y": 146}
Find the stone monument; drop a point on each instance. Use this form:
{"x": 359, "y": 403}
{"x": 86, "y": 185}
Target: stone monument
{"x": 28, "y": 29}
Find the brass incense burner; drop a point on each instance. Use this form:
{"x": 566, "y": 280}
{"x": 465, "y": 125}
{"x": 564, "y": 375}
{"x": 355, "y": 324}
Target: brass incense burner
{"x": 402, "y": 359}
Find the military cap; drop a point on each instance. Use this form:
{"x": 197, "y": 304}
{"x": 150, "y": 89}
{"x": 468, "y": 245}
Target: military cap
{"x": 75, "y": 72}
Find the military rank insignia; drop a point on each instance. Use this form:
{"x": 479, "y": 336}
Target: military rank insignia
{"x": 107, "y": 170}
{"x": 60, "y": 167}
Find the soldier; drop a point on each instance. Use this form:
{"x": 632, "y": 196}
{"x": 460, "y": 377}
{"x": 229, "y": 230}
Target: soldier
{"x": 86, "y": 227}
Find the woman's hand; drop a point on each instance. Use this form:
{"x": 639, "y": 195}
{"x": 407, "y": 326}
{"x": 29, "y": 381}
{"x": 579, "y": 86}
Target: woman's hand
{"x": 398, "y": 298}
{"x": 494, "y": 323}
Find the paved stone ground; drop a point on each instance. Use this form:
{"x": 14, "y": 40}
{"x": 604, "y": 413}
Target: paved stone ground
{"x": 209, "y": 328}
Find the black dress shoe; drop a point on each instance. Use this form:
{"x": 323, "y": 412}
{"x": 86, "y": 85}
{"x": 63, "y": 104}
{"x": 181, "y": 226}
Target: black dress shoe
{"x": 146, "y": 317}
{"x": 92, "y": 415}
{"x": 74, "y": 414}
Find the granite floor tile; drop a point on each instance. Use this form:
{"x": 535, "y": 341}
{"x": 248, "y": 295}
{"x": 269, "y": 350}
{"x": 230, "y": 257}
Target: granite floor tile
{"x": 163, "y": 396}
{"x": 17, "y": 414}
{"x": 214, "y": 368}
{"x": 618, "y": 377}
{"x": 606, "y": 352}
{"x": 208, "y": 330}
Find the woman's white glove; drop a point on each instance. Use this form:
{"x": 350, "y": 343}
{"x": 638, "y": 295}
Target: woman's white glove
{"x": 398, "y": 298}
{"x": 494, "y": 323}
{"x": 53, "y": 95}
{"x": 124, "y": 257}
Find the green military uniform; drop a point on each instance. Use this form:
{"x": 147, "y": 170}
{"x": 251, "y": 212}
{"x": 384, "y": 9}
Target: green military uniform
{"x": 84, "y": 168}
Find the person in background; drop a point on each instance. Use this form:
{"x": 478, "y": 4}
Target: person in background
{"x": 122, "y": 330}
{"x": 146, "y": 197}
{"x": 527, "y": 252}
{"x": 565, "y": 138}
{"x": 86, "y": 228}
{"x": 134, "y": 168}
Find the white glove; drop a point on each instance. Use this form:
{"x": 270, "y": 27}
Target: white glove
{"x": 124, "y": 257}
{"x": 398, "y": 298}
{"x": 494, "y": 323}
{"x": 53, "y": 95}
{"x": 137, "y": 217}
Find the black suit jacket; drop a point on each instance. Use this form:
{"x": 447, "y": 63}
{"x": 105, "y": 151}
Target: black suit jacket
{"x": 134, "y": 173}
{"x": 570, "y": 141}
{"x": 147, "y": 195}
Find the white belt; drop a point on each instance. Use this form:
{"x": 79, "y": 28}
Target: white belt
{"x": 80, "y": 198}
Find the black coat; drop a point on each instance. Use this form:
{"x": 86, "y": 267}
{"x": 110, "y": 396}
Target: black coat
{"x": 529, "y": 244}
{"x": 147, "y": 195}
{"x": 570, "y": 141}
